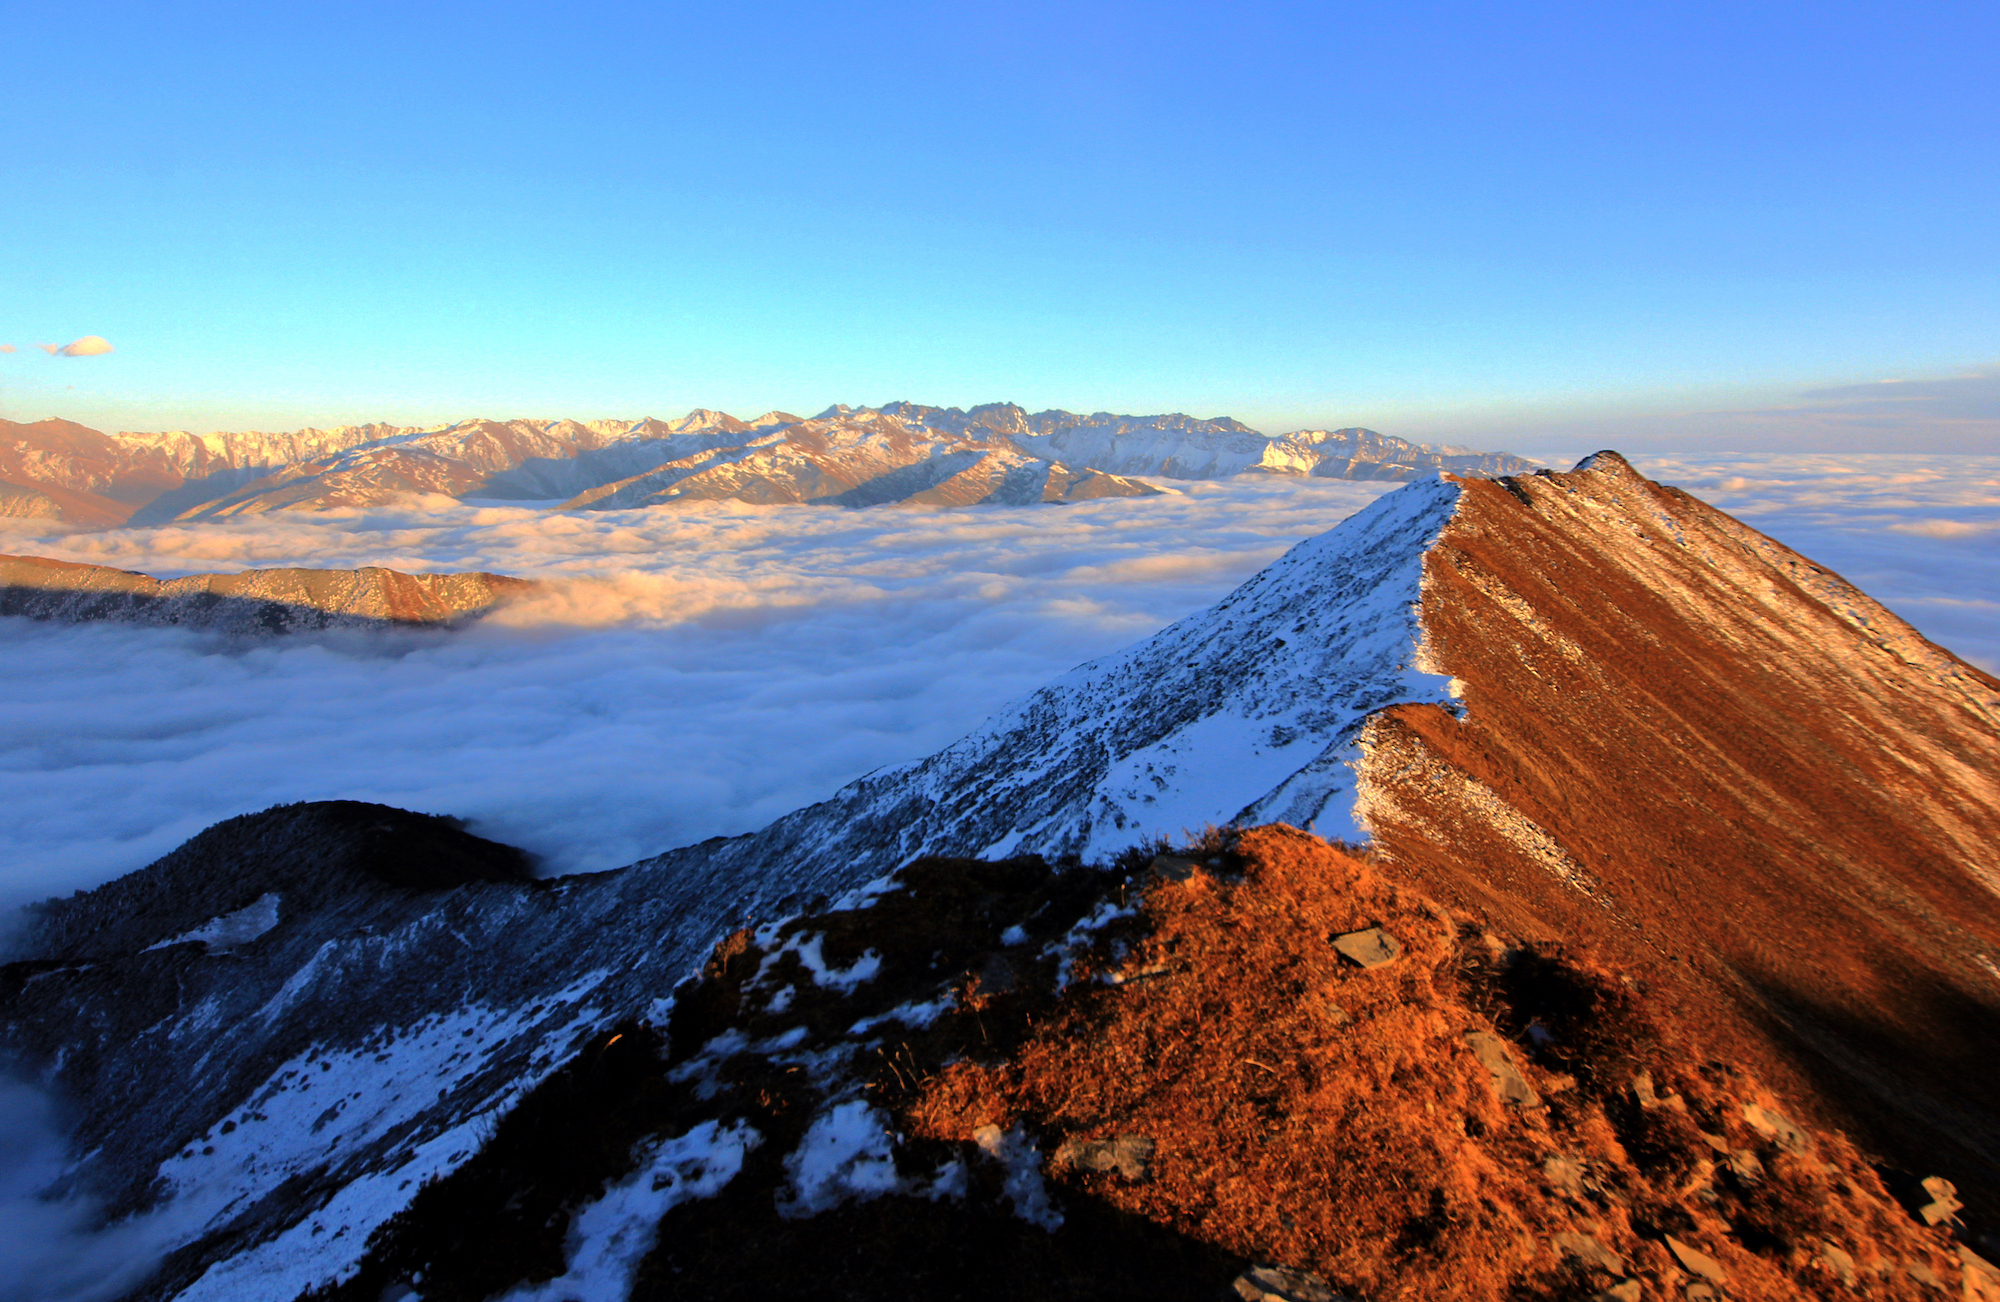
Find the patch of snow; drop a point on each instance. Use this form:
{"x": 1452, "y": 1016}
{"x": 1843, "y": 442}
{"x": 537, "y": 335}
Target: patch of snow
{"x": 913, "y": 1014}
{"x": 362, "y": 1109}
{"x": 1015, "y": 1149}
{"x": 611, "y": 1236}
{"x": 231, "y": 930}
{"x": 807, "y": 948}
{"x": 1014, "y": 936}
{"x": 865, "y": 895}
{"x": 846, "y": 1154}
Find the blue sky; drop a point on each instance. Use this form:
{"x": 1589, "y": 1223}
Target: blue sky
{"x": 1662, "y": 226}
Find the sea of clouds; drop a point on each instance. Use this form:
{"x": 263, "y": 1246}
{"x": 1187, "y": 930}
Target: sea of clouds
{"x": 700, "y": 671}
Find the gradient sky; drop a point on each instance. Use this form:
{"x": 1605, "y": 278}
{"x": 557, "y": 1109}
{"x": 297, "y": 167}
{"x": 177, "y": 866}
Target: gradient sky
{"x": 1657, "y": 225}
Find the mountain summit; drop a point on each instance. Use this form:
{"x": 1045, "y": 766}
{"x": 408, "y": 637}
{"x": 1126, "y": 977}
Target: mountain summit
{"x": 1574, "y": 710}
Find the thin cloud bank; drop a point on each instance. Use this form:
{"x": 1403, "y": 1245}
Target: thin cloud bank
{"x": 88, "y": 346}
{"x": 1940, "y": 415}
{"x": 697, "y": 672}
{"x": 8, "y": 348}
{"x": 51, "y": 1249}
{"x": 691, "y": 673}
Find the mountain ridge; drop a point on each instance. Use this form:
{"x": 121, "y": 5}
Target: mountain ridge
{"x": 254, "y": 601}
{"x": 852, "y": 456}
{"x": 1441, "y": 671}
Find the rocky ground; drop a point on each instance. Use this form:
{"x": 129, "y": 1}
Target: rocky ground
{"x": 1264, "y": 1065}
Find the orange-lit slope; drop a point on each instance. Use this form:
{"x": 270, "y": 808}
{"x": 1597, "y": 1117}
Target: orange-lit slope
{"x": 1694, "y": 748}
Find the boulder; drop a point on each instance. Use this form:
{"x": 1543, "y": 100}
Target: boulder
{"x": 1696, "y": 1262}
{"x": 1371, "y": 948}
{"x": 1493, "y": 1054}
{"x": 1282, "y": 1284}
{"x": 1943, "y": 1205}
{"x": 1590, "y": 1252}
{"x": 1129, "y": 1155}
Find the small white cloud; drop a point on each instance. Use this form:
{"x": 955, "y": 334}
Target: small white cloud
{"x": 88, "y": 346}
{"x": 50, "y": 349}
{"x": 8, "y": 348}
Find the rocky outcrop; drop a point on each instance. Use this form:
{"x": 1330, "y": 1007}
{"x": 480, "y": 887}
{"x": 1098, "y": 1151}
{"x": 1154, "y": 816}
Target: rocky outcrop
{"x": 253, "y": 601}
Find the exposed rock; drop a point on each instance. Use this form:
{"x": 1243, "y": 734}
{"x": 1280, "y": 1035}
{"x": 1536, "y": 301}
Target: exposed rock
{"x": 1280, "y": 1284}
{"x": 1590, "y": 1252}
{"x": 1746, "y": 1165}
{"x": 1697, "y": 1262}
{"x": 1777, "y": 1128}
{"x": 1564, "y": 1174}
{"x": 1642, "y": 1089}
{"x": 1943, "y": 1205}
{"x": 1371, "y": 948}
{"x": 1498, "y": 1060}
{"x": 1129, "y": 1155}
{"x": 1625, "y": 1290}
{"x": 1839, "y": 1261}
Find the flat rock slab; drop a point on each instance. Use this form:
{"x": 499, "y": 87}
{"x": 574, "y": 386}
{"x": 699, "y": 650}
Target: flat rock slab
{"x": 1590, "y": 1252}
{"x": 1498, "y": 1060}
{"x": 1129, "y": 1155}
{"x": 1625, "y": 1290}
{"x": 1282, "y": 1284}
{"x": 1370, "y": 948}
{"x": 1697, "y": 1262}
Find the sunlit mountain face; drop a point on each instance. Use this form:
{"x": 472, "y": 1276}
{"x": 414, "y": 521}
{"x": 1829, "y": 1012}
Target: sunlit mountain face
{"x": 901, "y": 453}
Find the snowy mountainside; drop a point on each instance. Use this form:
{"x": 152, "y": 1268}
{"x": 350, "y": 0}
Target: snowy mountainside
{"x": 900, "y": 452}
{"x": 206, "y": 1081}
{"x": 1245, "y": 710}
{"x": 863, "y": 458}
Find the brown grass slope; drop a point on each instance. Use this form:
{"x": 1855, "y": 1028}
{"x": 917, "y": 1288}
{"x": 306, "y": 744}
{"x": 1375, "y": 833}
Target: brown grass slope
{"x": 1303, "y": 1112}
{"x": 1722, "y": 766}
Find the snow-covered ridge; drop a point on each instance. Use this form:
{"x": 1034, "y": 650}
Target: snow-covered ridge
{"x": 1246, "y": 711}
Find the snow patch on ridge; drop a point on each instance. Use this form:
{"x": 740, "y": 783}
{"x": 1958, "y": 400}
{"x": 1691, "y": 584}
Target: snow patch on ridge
{"x": 231, "y": 930}
{"x": 362, "y": 1109}
{"x": 611, "y": 1236}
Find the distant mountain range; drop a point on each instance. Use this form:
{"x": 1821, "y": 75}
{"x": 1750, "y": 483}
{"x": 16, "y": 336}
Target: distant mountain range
{"x": 252, "y": 601}
{"x": 900, "y": 453}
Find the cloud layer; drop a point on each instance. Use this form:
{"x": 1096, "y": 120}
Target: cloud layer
{"x": 700, "y": 671}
